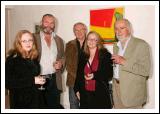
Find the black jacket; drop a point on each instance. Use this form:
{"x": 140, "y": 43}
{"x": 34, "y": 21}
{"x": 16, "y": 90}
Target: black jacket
{"x": 100, "y": 98}
{"x": 19, "y": 80}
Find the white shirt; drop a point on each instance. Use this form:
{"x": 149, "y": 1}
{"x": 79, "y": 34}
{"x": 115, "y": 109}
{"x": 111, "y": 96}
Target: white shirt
{"x": 48, "y": 55}
{"x": 121, "y": 52}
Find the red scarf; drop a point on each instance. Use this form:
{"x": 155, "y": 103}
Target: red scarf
{"x": 94, "y": 64}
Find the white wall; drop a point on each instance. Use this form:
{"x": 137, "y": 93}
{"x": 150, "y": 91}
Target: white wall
{"x": 141, "y": 16}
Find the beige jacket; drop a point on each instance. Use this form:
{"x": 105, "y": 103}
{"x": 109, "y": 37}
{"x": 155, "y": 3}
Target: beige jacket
{"x": 134, "y": 73}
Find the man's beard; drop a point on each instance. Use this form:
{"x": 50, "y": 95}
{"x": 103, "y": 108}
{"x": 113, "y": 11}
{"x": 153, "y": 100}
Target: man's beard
{"x": 48, "y": 30}
{"x": 121, "y": 39}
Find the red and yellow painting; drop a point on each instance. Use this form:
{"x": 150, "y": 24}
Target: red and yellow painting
{"x": 102, "y": 21}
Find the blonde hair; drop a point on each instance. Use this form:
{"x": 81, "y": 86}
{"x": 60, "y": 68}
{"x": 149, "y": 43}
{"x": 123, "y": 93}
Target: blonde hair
{"x": 99, "y": 42}
{"x": 33, "y": 53}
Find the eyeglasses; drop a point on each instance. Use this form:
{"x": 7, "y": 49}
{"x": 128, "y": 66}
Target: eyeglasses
{"x": 92, "y": 40}
{"x": 81, "y": 30}
{"x": 25, "y": 41}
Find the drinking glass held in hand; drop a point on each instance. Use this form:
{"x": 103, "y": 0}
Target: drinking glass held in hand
{"x": 41, "y": 81}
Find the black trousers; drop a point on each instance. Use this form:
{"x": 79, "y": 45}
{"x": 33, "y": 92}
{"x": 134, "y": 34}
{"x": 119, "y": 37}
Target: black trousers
{"x": 52, "y": 94}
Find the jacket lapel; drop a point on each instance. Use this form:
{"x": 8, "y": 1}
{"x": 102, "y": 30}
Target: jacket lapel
{"x": 129, "y": 48}
{"x": 115, "y": 49}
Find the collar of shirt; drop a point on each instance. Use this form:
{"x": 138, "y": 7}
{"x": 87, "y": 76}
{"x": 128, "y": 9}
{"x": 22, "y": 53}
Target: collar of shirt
{"x": 48, "y": 57}
{"x": 121, "y": 53}
{"x": 125, "y": 46}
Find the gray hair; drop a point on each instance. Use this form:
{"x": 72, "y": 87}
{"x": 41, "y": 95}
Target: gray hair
{"x": 128, "y": 23}
{"x": 80, "y": 23}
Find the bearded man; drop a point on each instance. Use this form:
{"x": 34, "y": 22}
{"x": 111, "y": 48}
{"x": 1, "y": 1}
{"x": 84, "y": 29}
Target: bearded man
{"x": 51, "y": 58}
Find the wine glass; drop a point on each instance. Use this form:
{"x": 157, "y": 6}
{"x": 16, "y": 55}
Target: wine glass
{"x": 44, "y": 79}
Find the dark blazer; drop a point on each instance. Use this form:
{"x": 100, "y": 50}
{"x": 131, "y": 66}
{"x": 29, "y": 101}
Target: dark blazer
{"x": 99, "y": 98}
{"x": 19, "y": 80}
{"x": 60, "y": 55}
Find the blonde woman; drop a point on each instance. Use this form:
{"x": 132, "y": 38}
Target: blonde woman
{"x": 94, "y": 72}
{"x": 22, "y": 72}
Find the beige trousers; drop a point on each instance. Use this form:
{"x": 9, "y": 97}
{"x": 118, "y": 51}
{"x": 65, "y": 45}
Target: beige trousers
{"x": 117, "y": 98}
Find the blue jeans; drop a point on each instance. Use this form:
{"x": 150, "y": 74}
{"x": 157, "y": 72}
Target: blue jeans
{"x": 74, "y": 102}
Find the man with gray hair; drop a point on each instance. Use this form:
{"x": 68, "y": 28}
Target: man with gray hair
{"x": 73, "y": 52}
{"x": 131, "y": 57}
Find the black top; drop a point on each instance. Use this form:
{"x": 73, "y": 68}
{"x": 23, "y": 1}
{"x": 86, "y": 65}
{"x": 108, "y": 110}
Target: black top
{"x": 80, "y": 50}
{"x": 19, "y": 80}
{"x": 100, "y": 97}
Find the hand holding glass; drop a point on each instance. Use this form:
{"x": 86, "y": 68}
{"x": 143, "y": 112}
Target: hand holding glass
{"x": 43, "y": 80}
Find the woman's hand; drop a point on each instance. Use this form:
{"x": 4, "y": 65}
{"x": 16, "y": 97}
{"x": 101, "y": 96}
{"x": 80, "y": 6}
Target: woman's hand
{"x": 78, "y": 95}
{"x": 89, "y": 76}
{"x": 39, "y": 80}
